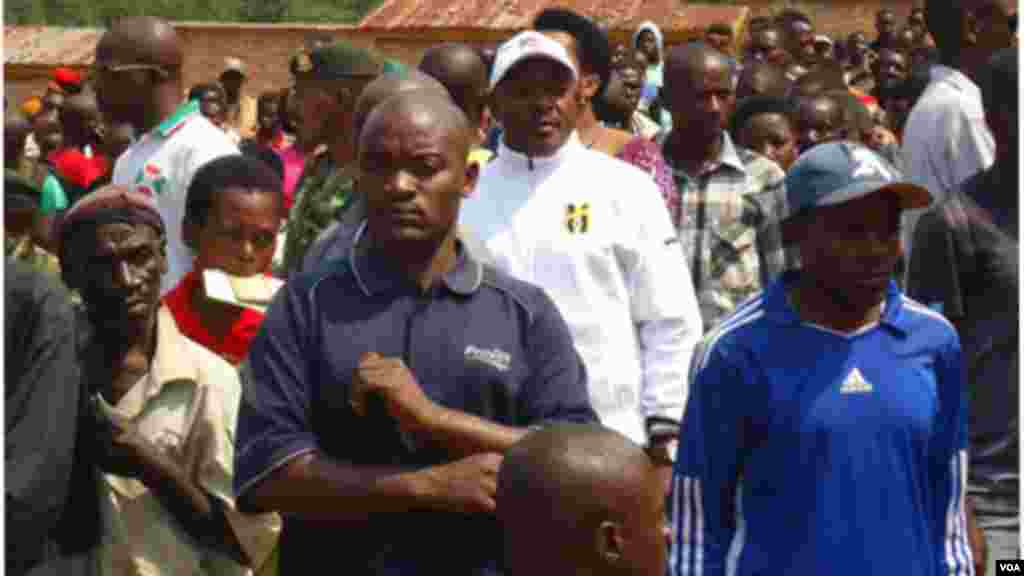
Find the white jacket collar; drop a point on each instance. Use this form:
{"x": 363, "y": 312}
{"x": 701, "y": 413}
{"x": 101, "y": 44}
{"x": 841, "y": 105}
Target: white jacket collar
{"x": 518, "y": 159}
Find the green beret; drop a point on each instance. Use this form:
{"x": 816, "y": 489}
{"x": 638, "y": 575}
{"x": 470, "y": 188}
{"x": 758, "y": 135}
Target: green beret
{"x": 337, "y": 61}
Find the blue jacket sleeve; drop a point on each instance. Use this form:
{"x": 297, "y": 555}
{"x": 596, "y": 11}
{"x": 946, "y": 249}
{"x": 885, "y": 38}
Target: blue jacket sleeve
{"x": 274, "y": 415}
{"x": 707, "y": 468}
{"x": 557, "y": 388}
{"x": 949, "y": 466}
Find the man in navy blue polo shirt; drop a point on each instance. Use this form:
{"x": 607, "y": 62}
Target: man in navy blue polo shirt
{"x": 826, "y": 429}
{"x": 383, "y": 388}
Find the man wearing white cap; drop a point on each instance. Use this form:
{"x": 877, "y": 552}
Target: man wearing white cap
{"x": 595, "y": 234}
{"x": 241, "y": 107}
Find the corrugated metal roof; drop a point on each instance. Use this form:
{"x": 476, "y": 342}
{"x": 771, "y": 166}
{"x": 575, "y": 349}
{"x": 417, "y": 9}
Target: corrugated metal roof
{"x": 512, "y": 15}
{"x": 49, "y": 45}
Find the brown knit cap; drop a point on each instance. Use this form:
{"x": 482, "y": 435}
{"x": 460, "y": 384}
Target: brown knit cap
{"x": 111, "y": 203}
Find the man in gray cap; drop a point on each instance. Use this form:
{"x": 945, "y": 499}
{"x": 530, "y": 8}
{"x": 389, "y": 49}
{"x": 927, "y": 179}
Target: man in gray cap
{"x": 329, "y": 79}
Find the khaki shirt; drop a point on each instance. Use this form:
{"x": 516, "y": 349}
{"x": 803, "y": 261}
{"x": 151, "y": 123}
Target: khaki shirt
{"x": 186, "y": 406}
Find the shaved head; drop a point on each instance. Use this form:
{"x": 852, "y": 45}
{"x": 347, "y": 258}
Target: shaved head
{"x": 388, "y": 86}
{"x": 141, "y": 40}
{"x": 583, "y": 478}
{"x": 138, "y": 71}
{"x": 693, "y": 59}
{"x": 693, "y": 74}
{"x": 423, "y": 109}
{"x": 462, "y": 72}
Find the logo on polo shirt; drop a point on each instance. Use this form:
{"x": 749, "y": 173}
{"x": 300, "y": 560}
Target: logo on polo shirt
{"x": 577, "y": 218}
{"x": 498, "y": 359}
{"x": 855, "y": 383}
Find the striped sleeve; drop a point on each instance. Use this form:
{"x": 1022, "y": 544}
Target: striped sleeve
{"x": 950, "y": 468}
{"x": 708, "y": 465}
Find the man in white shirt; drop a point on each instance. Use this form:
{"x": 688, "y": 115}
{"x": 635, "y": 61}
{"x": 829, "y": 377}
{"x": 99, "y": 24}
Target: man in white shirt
{"x": 138, "y": 82}
{"x": 946, "y": 140}
{"x": 595, "y": 234}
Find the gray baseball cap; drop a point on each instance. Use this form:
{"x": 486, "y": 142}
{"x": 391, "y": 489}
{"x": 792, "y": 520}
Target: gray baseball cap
{"x": 837, "y": 172}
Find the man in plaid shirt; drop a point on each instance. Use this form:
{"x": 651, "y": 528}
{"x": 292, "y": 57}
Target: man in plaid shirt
{"x": 732, "y": 198}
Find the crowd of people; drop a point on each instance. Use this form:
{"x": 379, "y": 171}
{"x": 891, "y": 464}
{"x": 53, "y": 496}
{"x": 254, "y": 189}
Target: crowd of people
{"x": 751, "y": 305}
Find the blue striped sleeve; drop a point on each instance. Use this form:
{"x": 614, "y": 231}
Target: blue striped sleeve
{"x": 950, "y": 467}
{"x": 707, "y": 467}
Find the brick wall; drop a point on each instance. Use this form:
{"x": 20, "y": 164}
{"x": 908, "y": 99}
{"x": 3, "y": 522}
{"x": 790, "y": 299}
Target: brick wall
{"x": 265, "y": 51}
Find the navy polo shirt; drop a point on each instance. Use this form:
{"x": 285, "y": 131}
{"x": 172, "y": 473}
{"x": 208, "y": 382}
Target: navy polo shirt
{"x": 479, "y": 341}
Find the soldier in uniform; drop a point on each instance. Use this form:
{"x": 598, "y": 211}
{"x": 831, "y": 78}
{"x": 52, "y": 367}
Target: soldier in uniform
{"x": 328, "y": 81}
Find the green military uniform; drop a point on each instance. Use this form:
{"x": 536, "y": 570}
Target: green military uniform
{"x": 322, "y": 195}
{"x": 325, "y": 189}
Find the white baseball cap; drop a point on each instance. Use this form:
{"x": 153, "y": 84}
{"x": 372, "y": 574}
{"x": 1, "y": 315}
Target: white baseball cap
{"x": 528, "y": 44}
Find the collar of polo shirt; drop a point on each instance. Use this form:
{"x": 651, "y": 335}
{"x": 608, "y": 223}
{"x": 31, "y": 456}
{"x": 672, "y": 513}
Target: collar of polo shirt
{"x": 374, "y": 276}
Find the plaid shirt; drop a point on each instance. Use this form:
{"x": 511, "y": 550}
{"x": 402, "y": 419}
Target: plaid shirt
{"x": 729, "y": 227}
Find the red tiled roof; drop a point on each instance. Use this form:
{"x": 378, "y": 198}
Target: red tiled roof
{"x": 56, "y": 46}
{"x": 513, "y": 15}
{"x": 50, "y": 46}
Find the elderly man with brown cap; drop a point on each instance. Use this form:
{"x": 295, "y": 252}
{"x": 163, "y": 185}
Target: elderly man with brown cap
{"x": 138, "y": 81}
{"x": 162, "y": 423}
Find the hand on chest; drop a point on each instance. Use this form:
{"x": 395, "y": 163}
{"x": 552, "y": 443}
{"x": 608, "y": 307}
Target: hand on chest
{"x": 460, "y": 361}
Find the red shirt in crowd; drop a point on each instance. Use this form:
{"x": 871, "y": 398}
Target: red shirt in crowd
{"x": 78, "y": 167}
{"x": 232, "y": 347}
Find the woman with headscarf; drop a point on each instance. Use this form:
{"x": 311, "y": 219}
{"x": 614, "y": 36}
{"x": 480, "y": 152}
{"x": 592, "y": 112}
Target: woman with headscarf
{"x": 649, "y": 40}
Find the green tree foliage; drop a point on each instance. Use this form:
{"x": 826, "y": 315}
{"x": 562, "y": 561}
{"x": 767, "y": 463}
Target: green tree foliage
{"x": 99, "y": 13}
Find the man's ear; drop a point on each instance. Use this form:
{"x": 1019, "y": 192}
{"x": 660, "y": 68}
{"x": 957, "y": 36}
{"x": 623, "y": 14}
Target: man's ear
{"x": 472, "y": 175}
{"x": 610, "y": 543}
